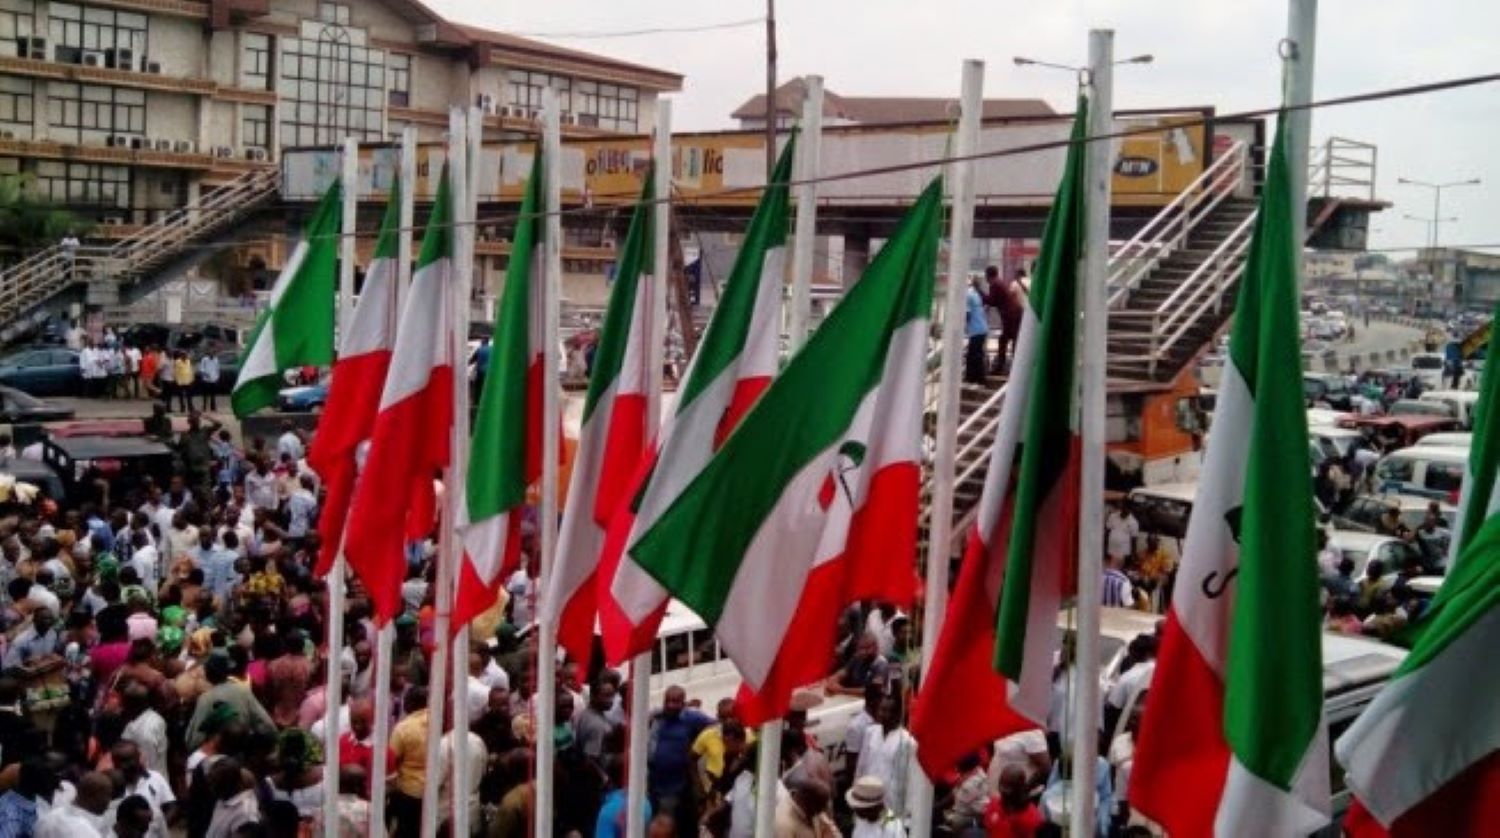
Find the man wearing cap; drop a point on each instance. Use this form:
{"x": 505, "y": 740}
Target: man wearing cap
{"x": 866, "y": 799}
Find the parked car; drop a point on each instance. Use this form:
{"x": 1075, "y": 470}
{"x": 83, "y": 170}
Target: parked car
{"x": 17, "y": 407}
{"x": 1364, "y": 547}
{"x": 1400, "y": 431}
{"x": 1428, "y": 368}
{"x": 42, "y": 371}
{"x": 125, "y": 461}
{"x": 1463, "y": 403}
{"x": 1430, "y": 472}
{"x": 1328, "y": 388}
{"x": 1422, "y": 407}
{"x": 229, "y": 370}
{"x": 1363, "y": 513}
{"x": 304, "y": 399}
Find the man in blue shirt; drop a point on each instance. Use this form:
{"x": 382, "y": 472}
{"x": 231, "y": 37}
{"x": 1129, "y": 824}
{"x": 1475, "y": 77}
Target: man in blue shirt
{"x": 611, "y": 820}
{"x": 977, "y": 329}
{"x": 673, "y": 730}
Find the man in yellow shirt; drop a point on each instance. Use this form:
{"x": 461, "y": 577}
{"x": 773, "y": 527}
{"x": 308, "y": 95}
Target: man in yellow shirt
{"x": 719, "y": 745}
{"x": 182, "y": 378}
{"x": 409, "y": 748}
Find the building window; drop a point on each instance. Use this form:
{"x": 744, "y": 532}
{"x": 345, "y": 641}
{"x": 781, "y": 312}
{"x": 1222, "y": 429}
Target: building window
{"x": 525, "y": 91}
{"x": 95, "y": 112}
{"x": 17, "y": 20}
{"x": 334, "y": 13}
{"x": 83, "y": 185}
{"x": 255, "y": 130}
{"x": 255, "y": 60}
{"x": 15, "y": 106}
{"x": 117, "y": 38}
{"x": 330, "y": 88}
{"x": 400, "y": 75}
{"x": 610, "y": 106}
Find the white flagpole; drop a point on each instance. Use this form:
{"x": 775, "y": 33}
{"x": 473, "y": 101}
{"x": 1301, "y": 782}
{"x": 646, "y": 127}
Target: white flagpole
{"x": 940, "y": 525}
{"x": 551, "y": 443}
{"x": 448, "y": 554}
{"x": 333, "y": 687}
{"x": 1097, "y": 175}
{"x": 465, "y": 233}
{"x": 640, "y": 665}
{"x": 1302, "y": 33}
{"x": 385, "y": 636}
{"x": 805, "y": 236}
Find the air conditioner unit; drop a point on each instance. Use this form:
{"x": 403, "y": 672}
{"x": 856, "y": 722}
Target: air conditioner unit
{"x": 183, "y": 147}
{"x": 37, "y": 49}
{"x": 568, "y": 119}
{"x": 121, "y": 59}
{"x": 93, "y": 59}
{"x": 486, "y": 102}
{"x": 258, "y": 154}
{"x": 162, "y": 144}
{"x": 153, "y": 67}
{"x": 139, "y": 143}
{"x": 533, "y": 114}
{"x": 113, "y": 220}
{"x": 7, "y": 135}
{"x": 505, "y": 110}
{"x": 116, "y": 141}
{"x": 223, "y": 151}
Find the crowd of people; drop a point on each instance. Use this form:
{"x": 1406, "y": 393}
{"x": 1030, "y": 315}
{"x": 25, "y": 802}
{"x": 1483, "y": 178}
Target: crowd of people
{"x": 112, "y": 368}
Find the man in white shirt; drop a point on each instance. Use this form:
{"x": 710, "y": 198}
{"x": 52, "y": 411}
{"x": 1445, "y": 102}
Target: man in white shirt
{"x": 182, "y": 539}
{"x": 86, "y": 816}
{"x": 146, "y": 728}
{"x": 260, "y": 487}
{"x": 289, "y": 444}
{"x": 1122, "y": 529}
{"x": 148, "y": 784}
{"x": 886, "y": 753}
{"x": 478, "y": 757}
{"x": 1028, "y": 749}
{"x": 146, "y": 561}
{"x": 301, "y": 507}
{"x": 866, "y": 799}
{"x": 522, "y": 589}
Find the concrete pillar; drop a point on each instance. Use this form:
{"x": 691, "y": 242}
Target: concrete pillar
{"x": 856, "y": 257}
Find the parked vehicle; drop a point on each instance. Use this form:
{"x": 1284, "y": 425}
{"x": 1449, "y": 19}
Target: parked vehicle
{"x": 1454, "y": 439}
{"x": 1365, "y": 547}
{"x": 125, "y": 461}
{"x": 304, "y": 399}
{"x": 42, "y": 371}
{"x": 1427, "y": 367}
{"x": 1462, "y": 402}
{"x": 1336, "y": 441}
{"x": 1328, "y": 388}
{"x": 1422, "y": 407}
{"x": 1399, "y": 431}
{"x": 1427, "y": 471}
{"x": 17, "y": 407}
{"x": 1364, "y": 512}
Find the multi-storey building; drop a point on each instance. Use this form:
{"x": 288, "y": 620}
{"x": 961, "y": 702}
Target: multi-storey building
{"x": 125, "y": 108}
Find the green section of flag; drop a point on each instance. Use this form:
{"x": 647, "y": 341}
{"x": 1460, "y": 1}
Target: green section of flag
{"x": 724, "y": 340}
{"x": 1274, "y": 682}
{"x": 1484, "y": 457}
{"x": 1470, "y": 591}
{"x": 696, "y": 547}
{"x": 1048, "y": 428}
{"x": 497, "y": 452}
{"x": 297, "y": 330}
{"x": 635, "y": 254}
{"x": 387, "y": 246}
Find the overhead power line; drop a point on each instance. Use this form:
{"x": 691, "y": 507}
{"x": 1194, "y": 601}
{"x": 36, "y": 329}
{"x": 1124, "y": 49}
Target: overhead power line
{"x": 656, "y": 30}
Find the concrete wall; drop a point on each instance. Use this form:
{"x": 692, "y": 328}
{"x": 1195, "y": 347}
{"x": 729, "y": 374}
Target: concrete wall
{"x": 178, "y": 44}
{"x": 171, "y": 115}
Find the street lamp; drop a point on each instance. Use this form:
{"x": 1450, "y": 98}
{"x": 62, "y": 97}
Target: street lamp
{"x": 1022, "y": 61}
{"x": 1437, "y": 199}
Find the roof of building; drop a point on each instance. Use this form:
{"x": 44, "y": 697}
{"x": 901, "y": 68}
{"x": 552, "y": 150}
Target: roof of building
{"x": 529, "y": 48}
{"x": 875, "y": 110}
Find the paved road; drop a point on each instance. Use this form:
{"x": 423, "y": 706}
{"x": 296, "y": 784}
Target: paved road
{"x": 1381, "y": 337}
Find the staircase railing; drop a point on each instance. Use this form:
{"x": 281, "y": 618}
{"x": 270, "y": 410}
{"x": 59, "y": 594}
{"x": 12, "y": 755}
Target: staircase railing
{"x": 1169, "y": 229}
{"x": 54, "y": 269}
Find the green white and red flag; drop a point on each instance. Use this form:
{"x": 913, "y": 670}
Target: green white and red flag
{"x": 811, "y": 503}
{"x": 505, "y": 447}
{"x": 409, "y": 444}
{"x": 1424, "y": 757}
{"x": 364, "y": 358}
{"x": 611, "y": 440}
{"x": 734, "y": 364}
{"x": 993, "y": 662}
{"x": 1233, "y": 741}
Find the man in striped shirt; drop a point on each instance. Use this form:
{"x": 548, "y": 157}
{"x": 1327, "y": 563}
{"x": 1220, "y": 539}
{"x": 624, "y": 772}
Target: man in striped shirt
{"x": 1116, "y": 590}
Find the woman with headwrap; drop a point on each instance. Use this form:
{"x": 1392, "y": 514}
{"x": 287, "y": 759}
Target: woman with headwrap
{"x": 192, "y": 682}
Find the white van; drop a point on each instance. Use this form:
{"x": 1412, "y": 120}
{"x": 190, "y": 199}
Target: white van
{"x": 1431, "y": 472}
{"x": 1447, "y": 439}
{"x": 1461, "y": 401}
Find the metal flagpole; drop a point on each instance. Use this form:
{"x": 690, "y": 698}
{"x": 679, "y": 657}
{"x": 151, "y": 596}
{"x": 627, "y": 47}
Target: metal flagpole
{"x": 333, "y": 687}
{"x": 1298, "y": 59}
{"x": 1091, "y": 408}
{"x": 940, "y": 525}
{"x": 551, "y": 443}
{"x": 448, "y": 554}
{"x": 465, "y": 233}
{"x": 385, "y": 636}
{"x": 656, "y": 334}
{"x": 804, "y": 239}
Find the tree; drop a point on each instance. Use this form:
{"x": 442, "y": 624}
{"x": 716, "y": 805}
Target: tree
{"x": 28, "y": 223}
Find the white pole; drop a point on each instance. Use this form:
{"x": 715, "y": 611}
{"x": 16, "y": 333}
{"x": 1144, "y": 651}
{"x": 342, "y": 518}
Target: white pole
{"x": 940, "y": 526}
{"x": 448, "y": 555}
{"x": 408, "y": 213}
{"x": 1091, "y": 406}
{"x": 385, "y": 636}
{"x": 333, "y": 687}
{"x": 462, "y": 311}
{"x": 805, "y": 236}
{"x": 640, "y": 665}
{"x": 1297, "y": 69}
{"x": 767, "y": 778}
{"x": 547, "y": 519}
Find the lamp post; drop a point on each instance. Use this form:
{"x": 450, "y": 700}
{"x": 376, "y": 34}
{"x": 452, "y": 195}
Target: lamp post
{"x": 1437, "y": 199}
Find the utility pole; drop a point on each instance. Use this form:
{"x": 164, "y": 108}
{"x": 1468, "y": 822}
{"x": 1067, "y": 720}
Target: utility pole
{"x": 770, "y": 89}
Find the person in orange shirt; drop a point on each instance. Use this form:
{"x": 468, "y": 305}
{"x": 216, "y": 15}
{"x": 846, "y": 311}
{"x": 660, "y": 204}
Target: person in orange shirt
{"x": 146, "y": 377}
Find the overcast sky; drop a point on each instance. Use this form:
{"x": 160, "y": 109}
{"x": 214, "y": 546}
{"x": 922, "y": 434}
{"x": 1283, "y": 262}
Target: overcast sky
{"x": 1207, "y": 53}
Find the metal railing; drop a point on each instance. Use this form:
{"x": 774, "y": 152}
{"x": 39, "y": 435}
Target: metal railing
{"x": 1168, "y": 230}
{"x": 1342, "y": 168}
{"x": 50, "y": 271}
